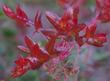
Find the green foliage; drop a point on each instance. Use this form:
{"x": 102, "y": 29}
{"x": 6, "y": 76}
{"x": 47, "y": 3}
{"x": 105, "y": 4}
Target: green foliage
{"x": 1, "y": 13}
{"x": 90, "y": 3}
{"x": 7, "y": 32}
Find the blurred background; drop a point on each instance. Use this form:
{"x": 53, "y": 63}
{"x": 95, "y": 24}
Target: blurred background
{"x": 96, "y": 67}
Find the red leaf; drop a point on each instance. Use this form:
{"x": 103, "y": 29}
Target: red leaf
{"x": 21, "y": 68}
{"x": 81, "y": 26}
{"x": 90, "y": 31}
{"x": 20, "y": 16}
{"x": 54, "y": 20}
{"x": 35, "y": 65}
{"x": 23, "y": 49}
{"x": 21, "y": 13}
{"x": 9, "y": 12}
{"x": 103, "y": 8}
{"x": 41, "y": 55}
{"x": 98, "y": 40}
{"x": 64, "y": 21}
{"x": 37, "y": 22}
{"x": 101, "y": 37}
{"x": 75, "y": 15}
{"x": 65, "y": 17}
{"x": 78, "y": 28}
{"x": 29, "y": 43}
{"x": 104, "y": 17}
{"x": 98, "y": 4}
{"x": 18, "y": 71}
{"x": 92, "y": 28}
{"x": 50, "y": 47}
{"x": 49, "y": 33}
{"x": 21, "y": 61}
{"x": 95, "y": 44}
{"x": 79, "y": 40}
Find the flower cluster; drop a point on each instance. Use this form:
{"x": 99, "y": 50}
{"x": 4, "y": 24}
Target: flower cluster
{"x": 68, "y": 31}
{"x": 103, "y": 10}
